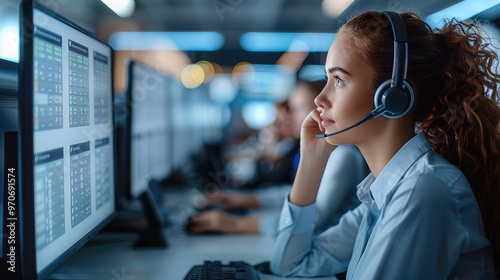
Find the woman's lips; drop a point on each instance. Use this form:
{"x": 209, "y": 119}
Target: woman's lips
{"x": 326, "y": 121}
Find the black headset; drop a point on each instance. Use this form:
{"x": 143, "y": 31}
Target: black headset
{"x": 396, "y": 95}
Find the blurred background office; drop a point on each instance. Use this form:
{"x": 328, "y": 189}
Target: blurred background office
{"x": 218, "y": 73}
{"x": 233, "y": 60}
{"x": 230, "y": 64}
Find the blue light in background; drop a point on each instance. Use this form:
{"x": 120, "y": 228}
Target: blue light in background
{"x": 312, "y": 72}
{"x": 461, "y": 11}
{"x": 186, "y": 41}
{"x": 258, "y": 114}
{"x": 281, "y": 42}
{"x": 222, "y": 89}
{"x": 268, "y": 81}
{"x": 9, "y": 38}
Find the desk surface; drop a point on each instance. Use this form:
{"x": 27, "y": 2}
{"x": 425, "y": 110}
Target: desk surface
{"x": 111, "y": 255}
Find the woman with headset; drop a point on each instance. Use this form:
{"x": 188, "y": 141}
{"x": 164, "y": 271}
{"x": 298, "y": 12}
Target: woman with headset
{"x": 430, "y": 205}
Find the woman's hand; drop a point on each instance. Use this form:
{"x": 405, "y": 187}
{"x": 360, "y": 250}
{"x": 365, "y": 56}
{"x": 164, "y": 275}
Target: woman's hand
{"x": 314, "y": 153}
{"x": 219, "y": 222}
{"x": 309, "y": 143}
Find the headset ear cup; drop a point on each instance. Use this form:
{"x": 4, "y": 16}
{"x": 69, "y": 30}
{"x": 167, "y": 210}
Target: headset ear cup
{"x": 396, "y": 101}
{"x": 407, "y": 90}
{"x": 381, "y": 90}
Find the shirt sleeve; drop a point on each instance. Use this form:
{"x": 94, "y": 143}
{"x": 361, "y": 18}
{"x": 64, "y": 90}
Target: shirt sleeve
{"x": 297, "y": 252}
{"x": 273, "y": 197}
{"x": 268, "y": 223}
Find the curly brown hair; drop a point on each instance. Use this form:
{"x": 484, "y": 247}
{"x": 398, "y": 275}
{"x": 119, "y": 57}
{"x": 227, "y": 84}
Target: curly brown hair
{"x": 453, "y": 71}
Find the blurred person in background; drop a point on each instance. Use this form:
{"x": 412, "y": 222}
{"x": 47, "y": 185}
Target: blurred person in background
{"x": 276, "y": 148}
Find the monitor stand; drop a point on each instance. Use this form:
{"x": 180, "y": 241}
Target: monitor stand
{"x": 153, "y": 235}
{"x": 156, "y": 190}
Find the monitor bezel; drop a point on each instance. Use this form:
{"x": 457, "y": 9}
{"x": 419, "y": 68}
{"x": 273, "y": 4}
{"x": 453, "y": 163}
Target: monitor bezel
{"x": 127, "y": 133}
{"x": 26, "y": 144}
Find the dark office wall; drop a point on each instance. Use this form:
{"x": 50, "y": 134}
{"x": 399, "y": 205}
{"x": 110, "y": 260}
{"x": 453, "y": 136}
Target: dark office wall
{"x": 8, "y": 116}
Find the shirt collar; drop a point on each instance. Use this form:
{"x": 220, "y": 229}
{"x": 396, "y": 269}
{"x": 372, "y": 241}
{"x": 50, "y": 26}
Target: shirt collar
{"x": 395, "y": 169}
{"x": 363, "y": 192}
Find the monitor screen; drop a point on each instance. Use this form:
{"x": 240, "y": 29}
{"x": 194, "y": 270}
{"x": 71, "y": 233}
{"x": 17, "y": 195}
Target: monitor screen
{"x": 148, "y": 126}
{"x": 67, "y": 173}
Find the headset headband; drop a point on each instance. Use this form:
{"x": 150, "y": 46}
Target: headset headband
{"x": 400, "y": 61}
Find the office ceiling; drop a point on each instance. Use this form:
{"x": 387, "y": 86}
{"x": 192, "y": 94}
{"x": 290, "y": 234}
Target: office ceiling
{"x": 235, "y": 17}
{"x": 230, "y": 17}
{"x": 238, "y": 16}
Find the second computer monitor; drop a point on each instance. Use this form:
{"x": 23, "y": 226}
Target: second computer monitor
{"x": 147, "y": 127}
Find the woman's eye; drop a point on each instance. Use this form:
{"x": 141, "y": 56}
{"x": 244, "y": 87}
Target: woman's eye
{"x": 338, "y": 81}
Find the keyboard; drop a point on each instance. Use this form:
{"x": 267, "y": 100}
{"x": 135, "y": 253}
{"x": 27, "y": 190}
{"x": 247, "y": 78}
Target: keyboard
{"x": 215, "y": 270}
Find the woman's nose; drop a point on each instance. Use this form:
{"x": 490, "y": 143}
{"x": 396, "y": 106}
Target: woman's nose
{"x": 318, "y": 101}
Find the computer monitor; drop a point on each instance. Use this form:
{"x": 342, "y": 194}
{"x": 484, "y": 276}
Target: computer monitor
{"x": 145, "y": 152}
{"x": 147, "y": 139}
{"x": 67, "y": 160}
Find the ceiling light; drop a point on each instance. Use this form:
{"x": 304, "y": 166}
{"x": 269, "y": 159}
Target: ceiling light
{"x": 186, "y": 41}
{"x": 461, "y": 11}
{"x": 334, "y": 8}
{"x": 123, "y": 8}
{"x": 282, "y": 42}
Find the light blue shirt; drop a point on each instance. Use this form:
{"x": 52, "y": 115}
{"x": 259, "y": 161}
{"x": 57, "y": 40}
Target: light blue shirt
{"x": 418, "y": 220}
